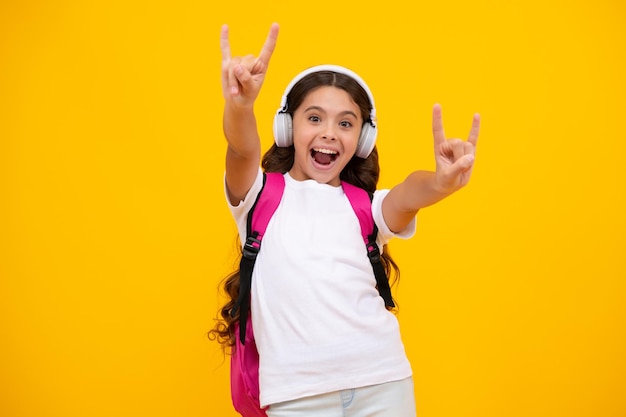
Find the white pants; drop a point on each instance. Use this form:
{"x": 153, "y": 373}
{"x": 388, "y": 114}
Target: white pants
{"x": 392, "y": 399}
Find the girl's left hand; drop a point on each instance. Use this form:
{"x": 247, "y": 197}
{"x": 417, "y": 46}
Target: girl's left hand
{"x": 454, "y": 157}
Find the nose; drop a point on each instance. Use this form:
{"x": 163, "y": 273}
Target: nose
{"x": 328, "y": 133}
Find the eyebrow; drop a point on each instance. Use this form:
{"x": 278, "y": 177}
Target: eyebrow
{"x": 318, "y": 108}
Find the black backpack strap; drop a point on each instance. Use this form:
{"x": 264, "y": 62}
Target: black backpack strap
{"x": 259, "y": 216}
{"x": 361, "y": 202}
{"x": 382, "y": 281}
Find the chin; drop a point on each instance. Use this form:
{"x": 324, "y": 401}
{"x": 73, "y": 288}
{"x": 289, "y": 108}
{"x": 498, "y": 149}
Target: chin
{"x": 327, "y": 178}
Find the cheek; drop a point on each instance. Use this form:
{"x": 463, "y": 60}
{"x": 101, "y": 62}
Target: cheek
{"x": 354, "y": 140}
{"x": 303, "y": 134}
{"x": 299, "y": 130}
{"x": 300, "y": 143}
{"x": 302, "y": 152}
{"x": 299, "y": 139}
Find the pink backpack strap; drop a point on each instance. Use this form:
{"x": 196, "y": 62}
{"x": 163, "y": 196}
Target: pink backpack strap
{"x": 361, "y": 202}
{"x": 259, "y": 216}
{"x": 267, "y": 203}
{"x": 362, "y": 205}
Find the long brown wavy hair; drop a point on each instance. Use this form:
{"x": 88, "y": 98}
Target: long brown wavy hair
{"x": 363, "y": 173}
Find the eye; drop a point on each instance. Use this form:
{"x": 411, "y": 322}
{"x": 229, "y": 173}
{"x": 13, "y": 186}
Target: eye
{"x": 314, "y": 118}
{"x": 345, "y": 123}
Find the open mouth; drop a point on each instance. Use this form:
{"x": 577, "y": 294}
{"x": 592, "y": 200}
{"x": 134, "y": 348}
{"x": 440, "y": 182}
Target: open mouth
{"x": 324, "y": 156}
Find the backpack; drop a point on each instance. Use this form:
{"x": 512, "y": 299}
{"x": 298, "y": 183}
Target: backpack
{"x": 244, "y": 366}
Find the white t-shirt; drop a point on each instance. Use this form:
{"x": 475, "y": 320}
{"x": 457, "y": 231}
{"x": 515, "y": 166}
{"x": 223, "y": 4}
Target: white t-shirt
{"x": 320, "y": 324}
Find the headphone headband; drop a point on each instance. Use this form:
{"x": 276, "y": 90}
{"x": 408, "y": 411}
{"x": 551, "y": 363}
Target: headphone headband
{"x": 333, "y": 68}
{"x": 283, "y": 123}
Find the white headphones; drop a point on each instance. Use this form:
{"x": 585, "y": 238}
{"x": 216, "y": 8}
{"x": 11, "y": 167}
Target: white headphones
{"x": 283, "y": 123}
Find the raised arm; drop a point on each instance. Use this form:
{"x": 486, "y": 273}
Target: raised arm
{"x": 454, "y": 163}
{"x": 242, "y": 78}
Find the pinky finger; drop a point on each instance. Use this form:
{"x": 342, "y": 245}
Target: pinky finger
{"x": 475, "y": 130}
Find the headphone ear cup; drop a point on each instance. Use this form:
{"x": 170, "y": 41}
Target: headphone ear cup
{"x": 367, "y": 140}
{"x": 283, "y": 130}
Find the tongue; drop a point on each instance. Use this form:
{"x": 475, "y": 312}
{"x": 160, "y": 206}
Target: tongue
{"x": 322, "y": 158}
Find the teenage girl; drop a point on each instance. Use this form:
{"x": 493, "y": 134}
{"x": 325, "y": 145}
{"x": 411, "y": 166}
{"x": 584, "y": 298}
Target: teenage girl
{"x": 327, "y": 344}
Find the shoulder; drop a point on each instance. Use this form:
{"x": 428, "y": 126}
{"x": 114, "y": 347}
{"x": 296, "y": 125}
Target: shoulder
{"x": 243, "y": 206}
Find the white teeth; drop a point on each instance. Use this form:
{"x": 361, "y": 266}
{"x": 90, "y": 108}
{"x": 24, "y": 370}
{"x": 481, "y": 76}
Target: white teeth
{"x": 326, "y": 151}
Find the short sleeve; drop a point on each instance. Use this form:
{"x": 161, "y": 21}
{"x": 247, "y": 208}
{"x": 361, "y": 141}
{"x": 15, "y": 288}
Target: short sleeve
{"x": 240, "y": 211}
{"x": 384, "y": 233}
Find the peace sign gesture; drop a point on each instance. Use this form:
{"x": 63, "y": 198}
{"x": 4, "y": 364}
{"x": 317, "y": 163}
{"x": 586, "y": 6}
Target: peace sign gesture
{"x": 454, "y": 157}
{"x": 242, "y": 77}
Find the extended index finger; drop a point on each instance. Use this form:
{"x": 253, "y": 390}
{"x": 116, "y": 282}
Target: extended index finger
{"x": 224, "y": 43}
{"x": 270, "y": 44}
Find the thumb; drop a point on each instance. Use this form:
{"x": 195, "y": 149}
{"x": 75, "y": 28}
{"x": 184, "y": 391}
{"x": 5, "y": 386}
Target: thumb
{"x": 462, "y": 165}
{"x": 242, "y": 75}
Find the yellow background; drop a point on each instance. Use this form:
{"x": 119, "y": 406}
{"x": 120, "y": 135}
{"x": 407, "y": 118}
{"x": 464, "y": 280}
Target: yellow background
{"x": 114, "y": 232}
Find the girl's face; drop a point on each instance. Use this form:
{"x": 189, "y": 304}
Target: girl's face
{"x": 326, "y": 129}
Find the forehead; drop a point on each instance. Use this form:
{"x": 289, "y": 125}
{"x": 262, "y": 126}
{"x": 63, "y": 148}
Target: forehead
{"x": 330, "y": 98}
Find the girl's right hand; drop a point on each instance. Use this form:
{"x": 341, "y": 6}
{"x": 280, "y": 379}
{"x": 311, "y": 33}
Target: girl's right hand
{"x": 242, "y": 77}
